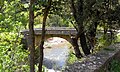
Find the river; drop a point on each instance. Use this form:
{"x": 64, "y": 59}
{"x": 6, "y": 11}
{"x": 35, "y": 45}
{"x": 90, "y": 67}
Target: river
{"x": 55, "y": 54}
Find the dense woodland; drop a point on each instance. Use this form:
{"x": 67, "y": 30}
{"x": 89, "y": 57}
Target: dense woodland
{"x": 90, "y": 18}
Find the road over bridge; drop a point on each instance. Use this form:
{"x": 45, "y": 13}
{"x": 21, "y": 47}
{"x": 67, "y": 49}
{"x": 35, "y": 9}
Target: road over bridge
{"x": 62, "y": 32}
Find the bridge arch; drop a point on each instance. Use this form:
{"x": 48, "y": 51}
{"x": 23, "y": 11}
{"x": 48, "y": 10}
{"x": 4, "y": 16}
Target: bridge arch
{"x": 38, "y": 38}
{"x": 62, "y": 32}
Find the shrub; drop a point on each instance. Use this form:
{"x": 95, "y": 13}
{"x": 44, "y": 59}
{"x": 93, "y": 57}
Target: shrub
{"x": 12, "y": 57}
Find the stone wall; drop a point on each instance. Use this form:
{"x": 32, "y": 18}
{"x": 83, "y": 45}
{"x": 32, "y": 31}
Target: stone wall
{"x": 96, "y": 62}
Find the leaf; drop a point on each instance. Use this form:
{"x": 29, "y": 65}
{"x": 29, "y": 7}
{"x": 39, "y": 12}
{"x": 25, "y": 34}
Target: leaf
{"x": 1, "y": 2}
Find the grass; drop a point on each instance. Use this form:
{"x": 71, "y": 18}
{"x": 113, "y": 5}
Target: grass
{"x": 114, "y": 66}
{"x": 118, "y": 38}
{"x": 71, "y": 58}
{"x": 109, "y": 49}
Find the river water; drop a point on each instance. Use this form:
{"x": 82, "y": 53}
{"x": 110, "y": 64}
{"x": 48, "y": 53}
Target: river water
{"x": 55, "y": 56}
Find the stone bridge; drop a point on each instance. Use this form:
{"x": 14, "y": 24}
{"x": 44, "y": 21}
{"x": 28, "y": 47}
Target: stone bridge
{"x": 62, "y": 32}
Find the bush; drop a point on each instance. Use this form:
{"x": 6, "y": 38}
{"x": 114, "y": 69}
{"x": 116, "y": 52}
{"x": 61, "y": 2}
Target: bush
{"x": 12, "y": 57}
{"x": 114, "y": 66}
{"x": 71, "y": 58}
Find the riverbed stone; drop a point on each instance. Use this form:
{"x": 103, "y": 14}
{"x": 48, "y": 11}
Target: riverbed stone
{"x": 97, "y": 62}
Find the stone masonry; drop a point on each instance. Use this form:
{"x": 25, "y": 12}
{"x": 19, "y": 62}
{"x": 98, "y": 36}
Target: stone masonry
{"x": 96, "y": 62}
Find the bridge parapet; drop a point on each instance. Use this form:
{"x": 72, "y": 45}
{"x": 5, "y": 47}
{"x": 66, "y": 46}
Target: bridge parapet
{"x": 98, "y": 62}
{"x": 53, "y": 30}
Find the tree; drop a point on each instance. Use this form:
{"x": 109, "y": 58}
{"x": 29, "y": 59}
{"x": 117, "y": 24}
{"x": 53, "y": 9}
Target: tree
{"x": 56, "y": 21}
{"x": 79, "y": 18}
{"x": 46, "y": 12}
{"x": 31, "y": 37}
{"x": 103, "y": 13}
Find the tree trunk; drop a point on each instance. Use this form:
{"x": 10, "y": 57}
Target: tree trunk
{"x": 80, "y": 20}
{"x": 84, "y": 44}
{"x": 76, "y": 47}
{"x": 31, "y": 37}
{"x": 74, "y": 40}
{"x": 91, "y": 35}
{"x": 79, "y": 17}
{"x": 43, "y": 35}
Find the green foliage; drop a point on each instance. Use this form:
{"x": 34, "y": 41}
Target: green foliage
{"x": 56, "y": 21}
{"x": 118, "y": 38}
{"x": 71, "y": 58}
{"x": 114, "y": 66}
{"x": 44, "y": 69}
{"x": 12, "y": 18}
{"x": 60, "y": 12}
{"x": 109, "y": 49}
{"x": 105, "y": 13}
{"x": 12, "y": 57}
{"x": 103, "y": 41}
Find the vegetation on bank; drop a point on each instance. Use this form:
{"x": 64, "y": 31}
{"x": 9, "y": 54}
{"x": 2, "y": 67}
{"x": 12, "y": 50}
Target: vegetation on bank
{"x": 71, "y": 58}
{"x": 118, "y": 38}
{"x": 114, "y": 66}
